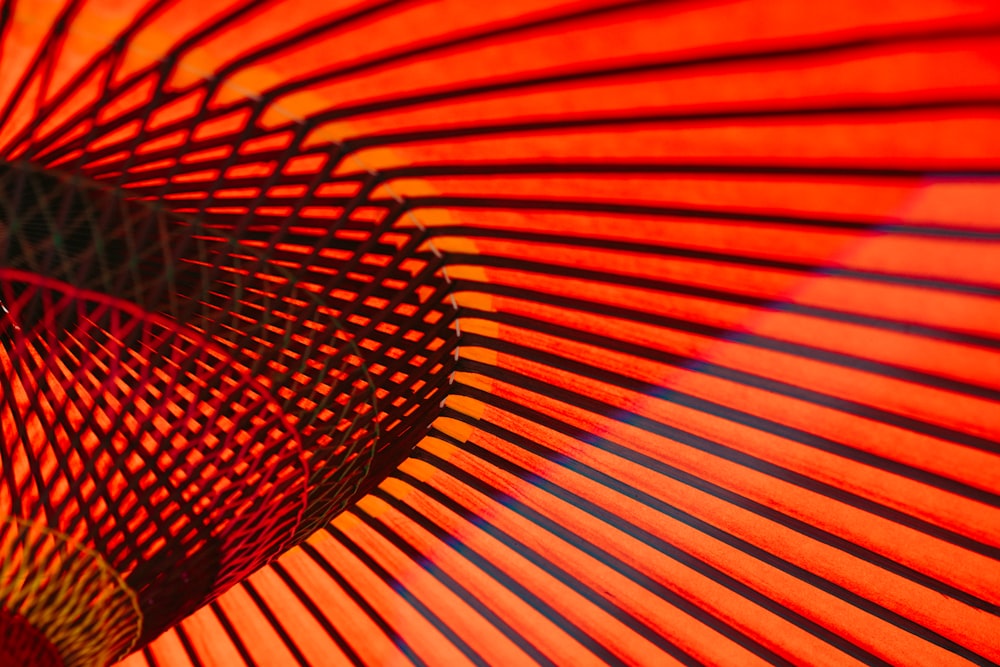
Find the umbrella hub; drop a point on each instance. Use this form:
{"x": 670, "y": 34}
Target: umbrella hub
{"x": 63, "y": 605}
{"x": 21, "y": 644}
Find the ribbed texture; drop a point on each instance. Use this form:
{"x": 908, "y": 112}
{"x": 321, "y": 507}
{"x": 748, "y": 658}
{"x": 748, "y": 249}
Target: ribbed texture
{"x": 728, "y": 279}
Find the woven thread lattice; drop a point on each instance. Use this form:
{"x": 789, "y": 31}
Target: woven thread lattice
{"x": 181, "y": 277}
{"x": 188, "y": 395}
{"x": 143, "y": 442}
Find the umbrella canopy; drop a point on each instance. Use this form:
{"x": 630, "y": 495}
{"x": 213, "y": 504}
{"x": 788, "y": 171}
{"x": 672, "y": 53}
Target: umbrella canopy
{"x": 653, "y": 332}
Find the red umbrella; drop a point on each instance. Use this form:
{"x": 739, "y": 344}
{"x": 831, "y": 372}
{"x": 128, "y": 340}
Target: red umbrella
{"x": 556, "y": 332}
